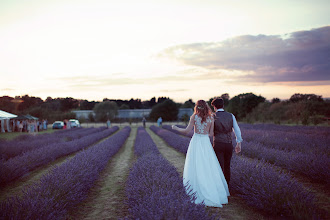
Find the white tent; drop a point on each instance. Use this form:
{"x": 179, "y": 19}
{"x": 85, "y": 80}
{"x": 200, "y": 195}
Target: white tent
{"x": 6, "y": 115}
{"x": 4, "y": 119}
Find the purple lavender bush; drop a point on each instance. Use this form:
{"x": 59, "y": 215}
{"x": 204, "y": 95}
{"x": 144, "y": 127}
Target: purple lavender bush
{"x": 18, "y": 146}
{"x": 155, "y": 189}
{"x": 66, "y": 185}
{"x": 178, "y": 142}
{"x": 282, "y": 140}
{"x": 311, "y": 165}
{"x": 21, "y": 165}
{"x": 261, "y": 185}
{"x": 269, "y": 190}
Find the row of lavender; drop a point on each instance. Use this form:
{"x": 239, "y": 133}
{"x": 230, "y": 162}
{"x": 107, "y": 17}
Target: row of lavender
{"x": 314, "y": 130}
{"x": 155, "y": 189}
{"x": 289, "y": 141}
{"x": 23, "y": 164}
{"x": 304, "y": 139}
{"x": 311, "y": 165}
{"x": 306, "y": 155}
{"x": 66, "y": 185}
{"x": 260, "y": 184}
{"x": 10, "y": 149}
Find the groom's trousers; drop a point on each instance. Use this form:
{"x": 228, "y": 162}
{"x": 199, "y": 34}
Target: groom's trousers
{"x": 224, "y": 152}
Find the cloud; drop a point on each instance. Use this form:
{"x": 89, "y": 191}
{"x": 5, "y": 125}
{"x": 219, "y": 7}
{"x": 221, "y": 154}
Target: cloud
{"x": 299, "y": 56}
{"x": 7, "y": 89}
{"x": 91, "y": 82}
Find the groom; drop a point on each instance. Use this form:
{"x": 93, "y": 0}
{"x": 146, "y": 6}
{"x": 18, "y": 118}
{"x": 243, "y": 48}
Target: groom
{"x": 224, "y": 124}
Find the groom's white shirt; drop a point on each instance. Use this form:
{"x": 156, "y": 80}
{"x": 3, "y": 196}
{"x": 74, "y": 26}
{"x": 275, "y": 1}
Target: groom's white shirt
{"x": 236, "y": 129}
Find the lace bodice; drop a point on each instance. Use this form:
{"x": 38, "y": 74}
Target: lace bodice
{"x": 202, "y": 128}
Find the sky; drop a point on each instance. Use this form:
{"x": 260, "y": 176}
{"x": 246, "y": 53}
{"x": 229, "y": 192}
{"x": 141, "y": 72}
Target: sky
{"x": 182, "y": 49}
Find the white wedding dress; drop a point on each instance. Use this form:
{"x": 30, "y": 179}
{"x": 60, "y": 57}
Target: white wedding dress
{"x": 202, "y": 171}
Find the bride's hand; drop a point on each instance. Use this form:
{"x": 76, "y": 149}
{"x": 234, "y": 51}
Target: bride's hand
{"x": 173, "y": 127}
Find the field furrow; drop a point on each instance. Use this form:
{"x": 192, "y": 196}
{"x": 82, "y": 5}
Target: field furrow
{"x": 106, "y": 199}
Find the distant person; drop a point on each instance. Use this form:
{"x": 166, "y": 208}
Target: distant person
{"x": 44, "y": 123}
{"x": 144, "y": 120}
{"x": 159, "y": 121}
{"x": 108, "y": 123}
{"x": 20, "y": 126}
{"x": 68, "y": 124}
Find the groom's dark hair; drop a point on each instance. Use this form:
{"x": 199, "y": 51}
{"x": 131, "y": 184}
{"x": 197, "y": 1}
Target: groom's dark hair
{"x": 217, "y": 102}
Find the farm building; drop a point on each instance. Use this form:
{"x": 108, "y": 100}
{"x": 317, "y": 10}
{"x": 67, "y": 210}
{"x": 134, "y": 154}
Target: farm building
{"x": 131, "y": 113}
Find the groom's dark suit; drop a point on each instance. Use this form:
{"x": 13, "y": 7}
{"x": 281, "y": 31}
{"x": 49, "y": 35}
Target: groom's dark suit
{"x": 224, "y": 123}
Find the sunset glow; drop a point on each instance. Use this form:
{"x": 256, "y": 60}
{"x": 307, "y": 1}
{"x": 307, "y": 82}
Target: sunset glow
{"x": 179, "y": 49}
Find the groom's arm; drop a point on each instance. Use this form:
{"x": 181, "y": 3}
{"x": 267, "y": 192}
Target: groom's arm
{"x": 238, "y": 135}
{"x": 237, "y": 131}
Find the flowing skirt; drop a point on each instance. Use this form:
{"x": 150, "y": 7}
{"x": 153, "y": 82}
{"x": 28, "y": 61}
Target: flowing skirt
{"x": 202, "y": 172}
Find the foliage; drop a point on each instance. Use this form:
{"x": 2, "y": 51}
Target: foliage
{"x": 297, "y": 97}
{"x": 188, "y": 104}
{"x": 305, "y": 111}
{"x": 243, "y": 104}
{"x": 86, "y": 105}
{"x": 168, "y": 110}
{"x": 105, "y": 110}
{"x": 68, "y": 103}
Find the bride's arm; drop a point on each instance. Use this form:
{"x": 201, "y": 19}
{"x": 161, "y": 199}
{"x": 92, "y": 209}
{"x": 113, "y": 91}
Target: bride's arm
{"x": 187, "y": 129}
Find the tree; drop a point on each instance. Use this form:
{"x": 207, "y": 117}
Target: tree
{"x": 297, "y": 97}
{"x": 6, "y": 104}
{"x": 29, "y": 102}
{"x": 168, "y": 110}
{"x": 276, "y": 100}
{"x": 68, "y": 103}
{"x": 105, "y": 110}
{"x": 135, "y": 103}
{"x": 86, "y": 105}
{"x": 243, "y": 104}
{"x": 188, "y": 104}
{"x": 162, "y": 99}
{"x": 152, "y": 102}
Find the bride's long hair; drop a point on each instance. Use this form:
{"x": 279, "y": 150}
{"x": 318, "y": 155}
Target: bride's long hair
{"x": 202, "y": 109}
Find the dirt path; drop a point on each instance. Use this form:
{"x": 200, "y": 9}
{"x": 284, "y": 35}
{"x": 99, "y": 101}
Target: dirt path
{"x": 16, "y": 187}
{"x": 236, "y": 209}
{"x": 106, "y": 198}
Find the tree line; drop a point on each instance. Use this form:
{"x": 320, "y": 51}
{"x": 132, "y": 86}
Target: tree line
{"x": 247, "y": 107}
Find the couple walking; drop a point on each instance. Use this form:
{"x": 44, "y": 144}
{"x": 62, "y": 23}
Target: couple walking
{"x": 207, "y": 169}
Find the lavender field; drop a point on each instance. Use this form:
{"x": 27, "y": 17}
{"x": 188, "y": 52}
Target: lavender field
{"x": 281, "y": 173}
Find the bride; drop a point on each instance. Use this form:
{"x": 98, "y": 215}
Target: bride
{"x": 202, "y": 171}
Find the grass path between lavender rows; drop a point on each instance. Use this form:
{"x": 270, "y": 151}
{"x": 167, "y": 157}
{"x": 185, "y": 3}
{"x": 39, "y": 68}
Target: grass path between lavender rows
{"x": 236, "y": 209}
{"x": 106, "y": 200}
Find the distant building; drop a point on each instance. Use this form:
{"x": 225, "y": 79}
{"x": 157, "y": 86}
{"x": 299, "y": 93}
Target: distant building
{"x": 131, "y": 113}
